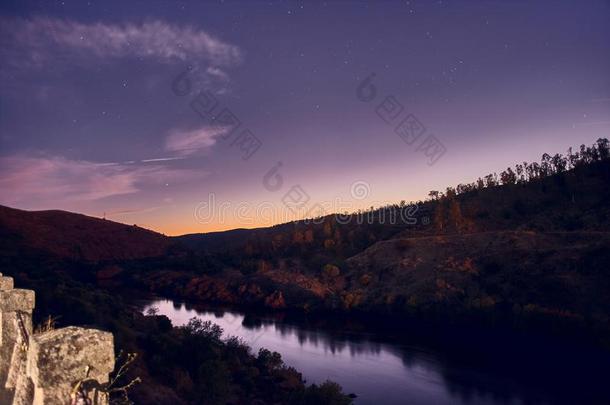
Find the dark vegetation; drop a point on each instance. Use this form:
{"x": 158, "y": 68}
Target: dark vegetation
{"x": 185, "y": 365}
{"x": 527, "y": 248}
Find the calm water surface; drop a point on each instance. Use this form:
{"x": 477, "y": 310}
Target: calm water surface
{"x": 384, "y": 373}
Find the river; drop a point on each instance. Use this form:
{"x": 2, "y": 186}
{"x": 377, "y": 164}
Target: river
{"x": 384, "y": 370}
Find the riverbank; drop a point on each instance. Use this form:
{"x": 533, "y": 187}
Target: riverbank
{"x": 462, "y": 365}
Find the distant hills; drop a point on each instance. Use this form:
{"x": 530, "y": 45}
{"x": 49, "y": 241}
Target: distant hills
{"x": 77, "y": 237}
{"x": 529, "y": 246}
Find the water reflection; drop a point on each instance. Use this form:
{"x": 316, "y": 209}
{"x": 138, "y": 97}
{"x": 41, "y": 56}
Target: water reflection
{"x": 410, "y": 369}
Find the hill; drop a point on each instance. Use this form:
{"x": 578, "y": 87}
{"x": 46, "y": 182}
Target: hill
{"x": 529, "y": 250}
{"x": 73, "y": 236}
{"x": 521, "y": 247}
{"x": 529, "y": 244}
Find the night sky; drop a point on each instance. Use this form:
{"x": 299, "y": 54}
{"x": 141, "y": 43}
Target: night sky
{"x": 130, "y": 109}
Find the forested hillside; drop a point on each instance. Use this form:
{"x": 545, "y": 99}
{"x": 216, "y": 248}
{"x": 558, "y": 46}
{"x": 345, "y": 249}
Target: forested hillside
{"x": 528, "y": 248}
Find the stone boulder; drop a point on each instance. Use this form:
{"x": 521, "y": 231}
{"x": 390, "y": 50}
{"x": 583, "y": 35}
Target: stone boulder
{"x": 60, "y": 358}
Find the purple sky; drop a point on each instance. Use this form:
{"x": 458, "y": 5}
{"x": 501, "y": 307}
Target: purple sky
{"x": 90, "y": 118}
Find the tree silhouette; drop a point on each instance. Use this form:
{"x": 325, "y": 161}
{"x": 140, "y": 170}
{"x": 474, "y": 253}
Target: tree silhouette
{"x": 526, "y": 172}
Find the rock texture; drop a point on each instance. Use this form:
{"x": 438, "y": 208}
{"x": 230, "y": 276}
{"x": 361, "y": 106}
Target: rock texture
{"x": 15, "y": 328}
{"x": 61, "y": 358}
{"x": 45, "y": 368}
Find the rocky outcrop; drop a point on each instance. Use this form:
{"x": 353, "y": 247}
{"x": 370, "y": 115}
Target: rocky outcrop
{"x": 15, "y": 326}
{"x": 53, "y": 367}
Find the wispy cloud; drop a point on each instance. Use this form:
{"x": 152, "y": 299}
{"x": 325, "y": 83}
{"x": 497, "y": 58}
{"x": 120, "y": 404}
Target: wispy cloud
{"x": 156, "y": 160}
{"x": 38, "y": 40}
{"x": 193, "y": 141}
{"x": 124, "y": 212}
{"x": 55, "y": 179}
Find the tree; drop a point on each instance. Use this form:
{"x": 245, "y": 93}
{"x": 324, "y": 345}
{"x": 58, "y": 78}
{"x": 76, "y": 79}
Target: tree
{"x": 329, "y": 244}
{"x": 152, "y": 311}
{"x": 545, "y": 165}
{"x": 519, "y": 170}
{"x": 455, "y": 214}
{"x": 309, "y": 236}
{"x": 533, "y": 171}
{"x": 585, "y": 155}
{"x": 298, "y": 237}
{"x": 330, "y": 271}
{"x": 439, "y": 216}
{"x": 593, "y": 154}
{"x": 328, "y": 228}
{"x": 572, "y": 158}
{"x": 559, "y": 163}
{"x": 489, "y": 180}
{"x": 464, "y": 188}
{"x": 508, "y": 176}
{"x": 337, "y": 237}
{"x": 603, "y": 148}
